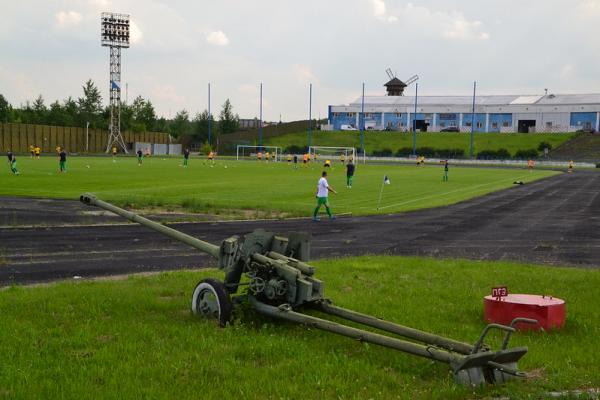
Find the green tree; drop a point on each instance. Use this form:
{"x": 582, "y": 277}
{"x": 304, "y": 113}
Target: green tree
{"x": 90, "y": 105}
{"x": 6, "y": 112}
{"x": 143, "y": 114}
{"x": 228, "y": 122}
{"x": 40, "y": 112}
{"x": 200, "y": 126}
{"x": 180, "y": 126}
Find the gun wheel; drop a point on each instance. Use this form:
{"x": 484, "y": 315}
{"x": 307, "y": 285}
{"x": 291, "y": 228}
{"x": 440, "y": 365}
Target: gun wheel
{"x": 211, "y": 300}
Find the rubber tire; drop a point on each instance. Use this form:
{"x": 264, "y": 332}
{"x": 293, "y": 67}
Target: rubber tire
{"x": 222, "y": 295}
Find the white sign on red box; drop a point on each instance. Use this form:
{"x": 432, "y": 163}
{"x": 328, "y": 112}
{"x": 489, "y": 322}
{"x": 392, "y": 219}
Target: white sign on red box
{"x": 500, "y": 291}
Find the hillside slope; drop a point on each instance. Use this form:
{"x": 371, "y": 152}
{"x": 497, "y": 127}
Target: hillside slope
{"x": 583, "y": 147}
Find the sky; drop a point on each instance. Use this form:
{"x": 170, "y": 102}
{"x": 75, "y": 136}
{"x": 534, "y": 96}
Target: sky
{"x": 50, "y": 47}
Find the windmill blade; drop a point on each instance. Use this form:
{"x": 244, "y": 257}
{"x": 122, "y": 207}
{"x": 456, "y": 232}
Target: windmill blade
{"x": 390, "y": 73}
{"x": 412, "y": 79}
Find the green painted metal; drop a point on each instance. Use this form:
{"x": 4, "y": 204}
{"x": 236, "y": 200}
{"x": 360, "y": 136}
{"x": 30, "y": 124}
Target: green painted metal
{"x": 281, "y": 284}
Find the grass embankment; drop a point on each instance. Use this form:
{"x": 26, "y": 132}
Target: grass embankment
{"x": 377, "y": 141}
{"x": 252, "y": 186}
{"x": 136, "y": 338}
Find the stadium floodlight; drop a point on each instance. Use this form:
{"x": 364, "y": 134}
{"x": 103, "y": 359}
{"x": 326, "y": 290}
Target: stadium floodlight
{"x": 114, "y": 33}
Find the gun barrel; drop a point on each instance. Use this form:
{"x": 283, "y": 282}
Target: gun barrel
{"x": 201, "y": 245}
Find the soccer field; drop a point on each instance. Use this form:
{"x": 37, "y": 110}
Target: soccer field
{"x": 248, "y": 185}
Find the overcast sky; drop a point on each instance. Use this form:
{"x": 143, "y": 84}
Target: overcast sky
{"x": 508, "y": 46}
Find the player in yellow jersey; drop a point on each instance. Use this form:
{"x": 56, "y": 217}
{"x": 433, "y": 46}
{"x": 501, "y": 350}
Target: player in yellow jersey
{"x": 343, "y": 158}
{"x": 211, "y": 158}
{"x": 114, "y": 153}
{"x": 267, "y": 155}
{"x": 31, "y": 147}
{"x": 37, "y": 152}
{"x": 327, "y": 164}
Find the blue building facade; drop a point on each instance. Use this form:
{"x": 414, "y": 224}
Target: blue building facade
{"x": 503, "y": 113}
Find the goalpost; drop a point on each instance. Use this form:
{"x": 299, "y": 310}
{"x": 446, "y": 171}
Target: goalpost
{"x": 248, "y": 152}
{"x": 332, "y": 153}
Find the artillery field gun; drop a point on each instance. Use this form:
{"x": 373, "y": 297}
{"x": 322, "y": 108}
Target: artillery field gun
{"x": 280, "y": 284}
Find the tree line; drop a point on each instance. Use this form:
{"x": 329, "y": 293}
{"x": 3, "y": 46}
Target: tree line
{"x": 139, "y": 116}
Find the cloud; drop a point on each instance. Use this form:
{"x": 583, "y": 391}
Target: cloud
{"x": 449, "y": 25}
{"x": 67, "y": 19}
{"x": 380, "y": 11}
{"x": 217, "y": 38}
{"x": 167, "y": 93}
{"x": 135, "y": 33}
{"x": 458, "y": 27}
{"x": 303, "y": 74}
{"x": 379, "y": 8}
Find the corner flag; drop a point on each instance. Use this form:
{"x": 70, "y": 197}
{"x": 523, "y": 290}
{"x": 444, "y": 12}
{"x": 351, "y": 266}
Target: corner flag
{"x": 386, "y": 181}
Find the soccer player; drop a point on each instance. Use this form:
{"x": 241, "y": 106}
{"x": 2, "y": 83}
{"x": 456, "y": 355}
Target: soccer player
{"x": 295, "y": 161}
{"x": 31, "y": 150}
{"x": 37, "y": 152}
{"x": 62, "y": 161}
{"x": 327, "y": 164}
{"x": 349, "y": 174}
{"x": 186, "y": 156}
{"x": 114, "y": 153}
{"x": 140, "y": 157}
{"x": 343, "y": 158}
{"x": 12, "y": 162}
{"x": 445, "y": 176}
{"x": 530, "y": 165}
{"x": 211, "y": 158}
{"x": 323, "y": 190}
{"x": 57, "y": 150}
{"x": 259, "y": 156}
{"x": 289, "y": 159}
{"x": 305, "y": 159}
{"x": 571, "y": 164}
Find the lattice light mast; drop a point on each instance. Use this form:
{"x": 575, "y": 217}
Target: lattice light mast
{"x": 115, "y": 35}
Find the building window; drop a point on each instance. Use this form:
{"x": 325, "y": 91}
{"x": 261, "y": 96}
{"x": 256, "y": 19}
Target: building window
{"x": 398, "y": 115}
{"x": 349, "y": 114}
{"x": 505, "y": 124}
{"x": 468, "y": 123}
{"x": 494, "y": 125}
{"x": 548, "y": 125}
{"x": 335, "y": 115}
{"x": 479, "y": 124}
{"x": 442, "y": 124}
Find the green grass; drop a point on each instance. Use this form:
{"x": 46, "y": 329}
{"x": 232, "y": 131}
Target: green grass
{"x": 252, "y": 186}
{"x": 136, "y": 338}
{"x": 448, "y": 140}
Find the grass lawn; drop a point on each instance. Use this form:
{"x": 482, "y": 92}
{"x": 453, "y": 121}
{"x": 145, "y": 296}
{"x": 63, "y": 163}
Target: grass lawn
{"x": 246, "y": 185}
{"x": 136, "y": 338}
{"x": 448, "y": 140}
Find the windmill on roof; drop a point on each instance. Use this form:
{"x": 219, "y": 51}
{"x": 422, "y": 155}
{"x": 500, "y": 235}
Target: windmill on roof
{"x": 395, "y": 87}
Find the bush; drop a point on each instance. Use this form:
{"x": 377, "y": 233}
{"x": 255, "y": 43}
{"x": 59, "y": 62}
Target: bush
{"x": 523, "y": 154}
{"x": 295, "y": 149}
{"x": 449, "y": 153}
{"x": 404, "y": 152}
{"x": 386, "y": 152}
{"x": 205, "y": 148}
{"x": 544, "y": 145}
{"x": 526, "y": 154}
{"x": 500, "y": 154}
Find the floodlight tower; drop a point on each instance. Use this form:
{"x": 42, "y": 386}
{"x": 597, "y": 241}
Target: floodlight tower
{"x": 115, "y": 35}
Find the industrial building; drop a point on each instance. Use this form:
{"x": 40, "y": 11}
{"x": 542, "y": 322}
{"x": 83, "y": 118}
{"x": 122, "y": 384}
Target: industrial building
{"x": 499, "y": 113}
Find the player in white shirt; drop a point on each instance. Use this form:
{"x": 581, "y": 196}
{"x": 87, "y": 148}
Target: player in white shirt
{"x": 323, "y": 190}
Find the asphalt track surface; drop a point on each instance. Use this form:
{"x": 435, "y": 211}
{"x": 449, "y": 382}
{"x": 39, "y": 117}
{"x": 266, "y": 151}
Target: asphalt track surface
{"x": 555, "y": 221}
